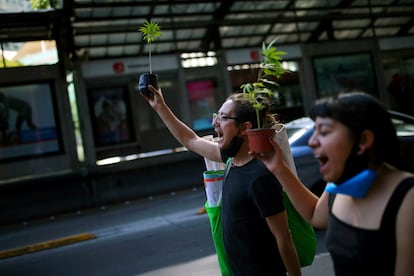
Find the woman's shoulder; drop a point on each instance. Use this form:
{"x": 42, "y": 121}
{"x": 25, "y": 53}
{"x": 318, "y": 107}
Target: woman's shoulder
{"x": 404, "y": 183}
{"x": 403, "y": 176}
{"x": 408, "y": 181}
{"x": 396, "y": 176}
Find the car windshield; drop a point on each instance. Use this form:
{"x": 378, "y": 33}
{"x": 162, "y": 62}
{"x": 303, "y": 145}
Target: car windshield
{"x": 297, "y": 130}
{"x": 295, "y": 133}
{"x": 403, "y": 129}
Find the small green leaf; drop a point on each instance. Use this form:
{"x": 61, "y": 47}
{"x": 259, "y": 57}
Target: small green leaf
{"x": 150, "y": 31}
{"x": 40, "y": 4}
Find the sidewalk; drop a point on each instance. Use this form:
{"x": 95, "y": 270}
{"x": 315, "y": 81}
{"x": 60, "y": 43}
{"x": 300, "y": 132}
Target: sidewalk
{"x": 321, "y": 266}
{"x": 30, "y": 237}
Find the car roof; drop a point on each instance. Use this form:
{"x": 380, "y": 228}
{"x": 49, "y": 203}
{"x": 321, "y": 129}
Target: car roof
{"x": 402, "y": 116}
{"x": 304, "y": 122}
{"x": 307, "y": 122}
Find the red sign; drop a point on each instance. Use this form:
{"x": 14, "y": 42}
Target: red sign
{"x": 118, "y": 67}
{"x": 254, "y": 55}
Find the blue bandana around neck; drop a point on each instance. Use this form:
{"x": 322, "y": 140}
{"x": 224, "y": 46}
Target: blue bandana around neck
{"x": 356, "y": 186}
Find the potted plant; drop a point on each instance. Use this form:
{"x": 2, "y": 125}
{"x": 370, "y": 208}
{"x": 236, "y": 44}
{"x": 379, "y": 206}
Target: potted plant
{"x": 269, "y": 72}
{"x": 150, "y": 30}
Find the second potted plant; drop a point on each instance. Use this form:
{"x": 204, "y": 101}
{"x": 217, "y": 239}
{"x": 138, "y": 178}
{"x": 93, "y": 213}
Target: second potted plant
{"x": 269, "y": 72}
{"x": 150, "y": 30}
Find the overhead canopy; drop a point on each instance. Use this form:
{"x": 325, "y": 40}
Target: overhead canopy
{"x": 101, "y": 29}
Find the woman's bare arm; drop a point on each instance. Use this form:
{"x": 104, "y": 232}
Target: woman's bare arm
{"x": 310, "y": 207}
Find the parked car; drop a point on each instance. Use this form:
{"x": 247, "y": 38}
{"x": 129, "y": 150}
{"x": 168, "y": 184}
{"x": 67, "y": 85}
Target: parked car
{"x": 300, "y": 130}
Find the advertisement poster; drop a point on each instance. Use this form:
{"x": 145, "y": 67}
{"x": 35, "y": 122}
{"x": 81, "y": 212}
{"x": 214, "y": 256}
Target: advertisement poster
{"x": 201, "y": 94}
{"x": 111, "y": 120}
{"x": 28, "y": 121}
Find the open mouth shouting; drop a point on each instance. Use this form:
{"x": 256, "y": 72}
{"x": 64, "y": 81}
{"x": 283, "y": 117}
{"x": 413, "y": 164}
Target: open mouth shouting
{"x": 323, "y": 164}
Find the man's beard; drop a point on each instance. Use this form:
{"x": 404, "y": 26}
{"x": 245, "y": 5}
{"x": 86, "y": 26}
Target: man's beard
{"x": 233, "y": 148}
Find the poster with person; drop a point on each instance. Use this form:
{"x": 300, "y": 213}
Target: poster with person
{"x": 28, "y": 121}
{"x": 111, "y": 116}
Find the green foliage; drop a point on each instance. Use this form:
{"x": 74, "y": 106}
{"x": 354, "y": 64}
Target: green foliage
{"x": 9, "y": 63}
{"x": 40, "y": 4}
{"x": 270, "y": 66}
{"x": 271, "y": 60}
{"x": 150, "y": 30}
{"x": 252, "y": 91}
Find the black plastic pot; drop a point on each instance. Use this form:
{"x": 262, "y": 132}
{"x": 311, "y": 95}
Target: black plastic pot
{"x": 144, "y": 80}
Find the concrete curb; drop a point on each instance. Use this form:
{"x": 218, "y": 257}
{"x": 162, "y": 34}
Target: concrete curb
{"x": 45, "y": 245}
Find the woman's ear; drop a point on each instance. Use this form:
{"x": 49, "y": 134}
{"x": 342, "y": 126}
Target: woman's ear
{"x": 366, "y": 141}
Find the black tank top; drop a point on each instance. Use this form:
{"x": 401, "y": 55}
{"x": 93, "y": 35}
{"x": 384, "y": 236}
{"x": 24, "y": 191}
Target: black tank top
{"x": 356, "y": 251}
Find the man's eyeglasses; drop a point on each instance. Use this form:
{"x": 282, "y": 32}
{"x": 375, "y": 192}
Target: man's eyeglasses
{"x": 220, "y": 117}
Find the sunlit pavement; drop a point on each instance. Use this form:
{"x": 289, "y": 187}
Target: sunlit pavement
{"x": 151, "y": 213}
{"x": 322, "y": 266}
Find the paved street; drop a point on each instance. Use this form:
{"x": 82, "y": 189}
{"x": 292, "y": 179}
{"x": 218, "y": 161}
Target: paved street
{"x": 155, "y": 236}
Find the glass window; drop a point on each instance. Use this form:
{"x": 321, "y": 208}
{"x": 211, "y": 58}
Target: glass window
{"x": 336, "y": 74}
{"x": 28, "y": 121}
{"x": 29, "y": 53}
{"x": 399, "y": 78}
{"x": 201, "y": 94}
{"x": 110, "y": 116}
